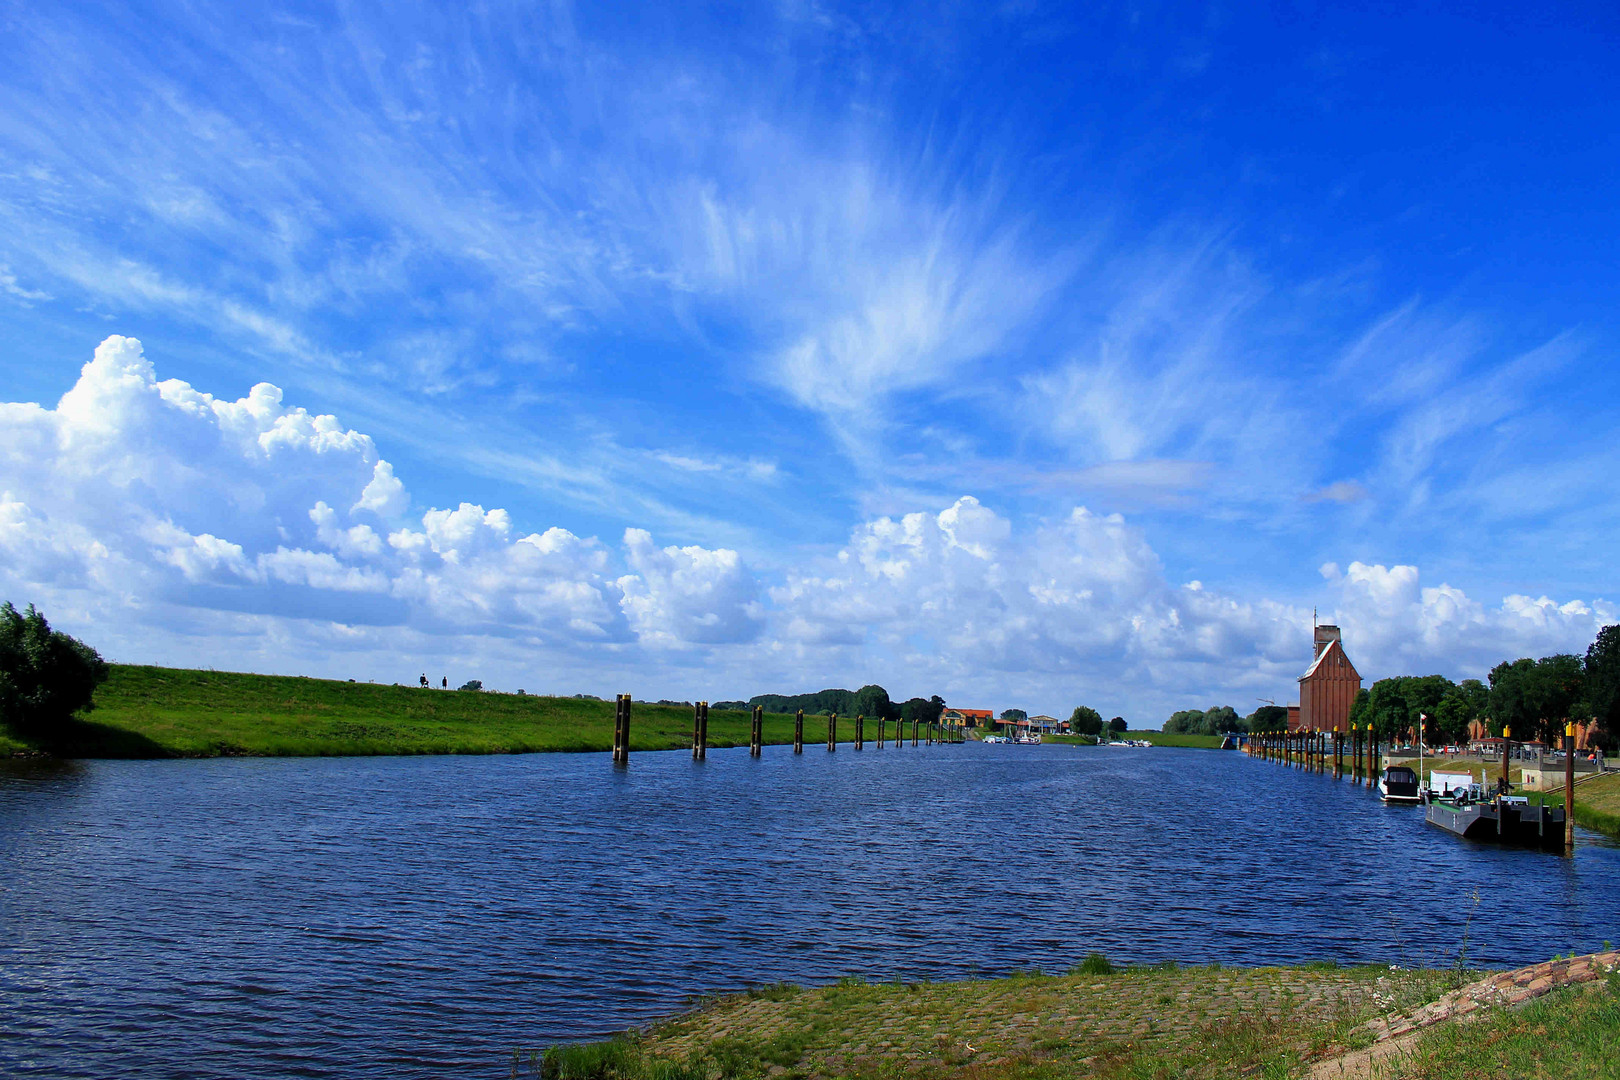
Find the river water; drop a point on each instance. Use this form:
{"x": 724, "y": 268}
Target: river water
{"x": 420, "y": 917}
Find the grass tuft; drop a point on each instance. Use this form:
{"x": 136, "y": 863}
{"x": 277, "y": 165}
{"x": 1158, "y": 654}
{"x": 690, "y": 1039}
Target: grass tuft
{"x": 1094, "y": 964}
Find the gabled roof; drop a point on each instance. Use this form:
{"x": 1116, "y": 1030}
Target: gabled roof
{"x": 1332, "y": 648}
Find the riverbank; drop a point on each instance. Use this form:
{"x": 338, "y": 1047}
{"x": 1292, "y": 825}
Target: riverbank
{"x": 1557, "y": 1019}
{"x": 1597, "y": 803}
{"x": 153, "y": 712}
{"x": 1157, "y": 738}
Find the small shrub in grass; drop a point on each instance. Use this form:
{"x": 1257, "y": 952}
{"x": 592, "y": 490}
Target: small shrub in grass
{"x": 608, "y": 1060}
{"x": 1094, "y": 964}
{"x": 777, "y": 991}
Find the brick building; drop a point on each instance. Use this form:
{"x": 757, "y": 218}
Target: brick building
{"x": 1328, "y": 688}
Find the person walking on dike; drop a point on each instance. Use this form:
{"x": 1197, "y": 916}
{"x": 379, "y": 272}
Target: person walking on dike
{"x": 424, "y": 680}
{"x": 445, "y": 682}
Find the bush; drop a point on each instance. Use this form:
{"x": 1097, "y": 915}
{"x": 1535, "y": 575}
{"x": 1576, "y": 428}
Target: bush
{"x": 472, "y": 684}
{"x": 1094, "y": 964}
{"x": 45, "y": 675}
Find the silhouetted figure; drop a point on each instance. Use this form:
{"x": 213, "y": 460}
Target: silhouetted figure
{"x": 424, "y": 680}
{"x": 445, "y": 682}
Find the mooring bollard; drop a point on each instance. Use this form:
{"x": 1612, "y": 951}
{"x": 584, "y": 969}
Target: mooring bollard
{"x": 914, "y": 733}
{"x": 832, "y": 732}
{"x": 798, "y": 732}
{"x": 756, "y": 737}
{"x": 860, "y": 731}
{"x": 881, "y": 722}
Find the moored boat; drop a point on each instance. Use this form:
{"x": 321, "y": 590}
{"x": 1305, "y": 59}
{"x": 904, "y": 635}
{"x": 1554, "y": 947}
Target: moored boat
{"x": 1476, "y": 814}
{"x": 1399, "y": 784}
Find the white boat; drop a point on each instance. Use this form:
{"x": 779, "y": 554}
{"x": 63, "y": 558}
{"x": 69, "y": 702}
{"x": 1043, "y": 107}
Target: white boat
{"x": 996, "y": 739}
{"x": 1028, "y": 740}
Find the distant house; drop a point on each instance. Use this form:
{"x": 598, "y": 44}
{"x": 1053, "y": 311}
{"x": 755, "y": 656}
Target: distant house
{"x": 1046, "y": 724}
{"x": 1328, "y": 688}
{"x": 968, "y": 717}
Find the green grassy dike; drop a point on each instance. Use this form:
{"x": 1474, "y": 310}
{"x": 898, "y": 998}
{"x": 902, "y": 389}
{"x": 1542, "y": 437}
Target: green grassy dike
{"x": 1205, "y": 1023}
{"x": 152, "y": 712}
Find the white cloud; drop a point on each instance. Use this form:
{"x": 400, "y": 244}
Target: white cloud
{"x": 680, "y": 595}
{"x": 189, "y": 529}
{"x": 1401, "y": 626}
{"x": 157, "y": 492}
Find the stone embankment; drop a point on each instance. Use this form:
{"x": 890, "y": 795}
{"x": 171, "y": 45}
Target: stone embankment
{"x": 1392, "y": 1034}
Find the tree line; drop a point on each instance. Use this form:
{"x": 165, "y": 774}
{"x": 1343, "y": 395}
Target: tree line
{"x": 1532, "y": 697}
{"x": 871, "y": 701}
{"x": 1088, "y": 721}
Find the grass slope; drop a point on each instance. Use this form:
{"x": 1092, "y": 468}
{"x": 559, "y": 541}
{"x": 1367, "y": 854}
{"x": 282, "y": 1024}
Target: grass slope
{"x": 1159, "y": 738}
{"x": 1572, "y": 1034}
{"x": 1597, "y": 803}
{"x": 171, "y": 712}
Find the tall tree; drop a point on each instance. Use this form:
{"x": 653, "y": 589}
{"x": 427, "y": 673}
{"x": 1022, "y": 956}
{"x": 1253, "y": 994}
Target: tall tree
{"x": 1014, "y": 714}
{"x": 870, "y": 700}
{"x": 1085, "y": 721}
{"x": 45, "y": 675}
{"x": 1603, "y": 678}
{"x": 1268, "y": 718}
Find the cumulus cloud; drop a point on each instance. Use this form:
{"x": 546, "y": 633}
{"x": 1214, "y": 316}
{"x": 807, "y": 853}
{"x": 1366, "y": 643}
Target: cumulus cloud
{"x": 1080, "y": 601}
{"x": 688, "y": 594}
{"x": 1404, "y": 627}
{"x": 259, "y": 532}
{"x": 155, "y": 492}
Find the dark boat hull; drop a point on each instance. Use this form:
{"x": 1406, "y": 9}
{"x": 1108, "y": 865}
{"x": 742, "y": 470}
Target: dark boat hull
{"x": 1527, "y": 826}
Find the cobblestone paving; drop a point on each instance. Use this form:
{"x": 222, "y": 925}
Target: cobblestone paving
{"x": 853, "y": 1027}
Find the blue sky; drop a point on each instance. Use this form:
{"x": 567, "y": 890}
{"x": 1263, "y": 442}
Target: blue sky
{"x": 1319, "y": 303}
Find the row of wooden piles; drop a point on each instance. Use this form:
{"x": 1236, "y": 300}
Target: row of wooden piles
{"x": 1355, "y": 754}
{"x": 923, "y": 732}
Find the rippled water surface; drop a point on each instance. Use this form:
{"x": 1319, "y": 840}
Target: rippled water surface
{"x": 419, "y": 917}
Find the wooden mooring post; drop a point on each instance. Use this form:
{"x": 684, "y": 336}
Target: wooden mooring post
{"x": 1507, "y": 755}
{"x": 914, "y": 733}
{"x": 881, "y": 724}
{"x": 798, "y": 732}
{"x": 1569, "y": 788}
{"x": 832, "y": 732}
{"x": 756, "y": 735}
{"x": 700, "y": 731}
{"x": 860, "y": 731}
{"x": 621, "y": 729}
